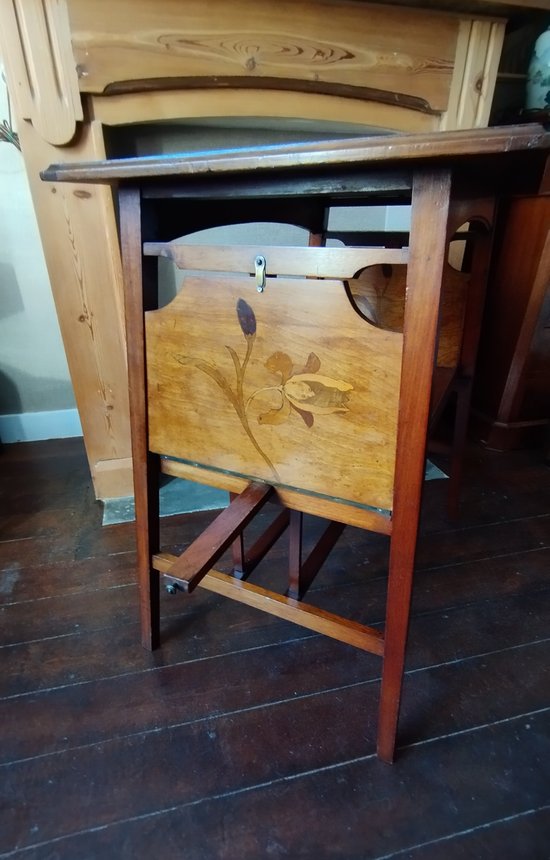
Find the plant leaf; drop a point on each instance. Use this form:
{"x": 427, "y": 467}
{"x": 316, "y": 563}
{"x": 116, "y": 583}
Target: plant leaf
{"x": 235, "y": 359}
{"x": 306, "y": 416}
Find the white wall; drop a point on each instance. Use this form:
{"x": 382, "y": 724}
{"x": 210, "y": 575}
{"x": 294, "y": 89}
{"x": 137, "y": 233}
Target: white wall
{"x": 36, "y": 396}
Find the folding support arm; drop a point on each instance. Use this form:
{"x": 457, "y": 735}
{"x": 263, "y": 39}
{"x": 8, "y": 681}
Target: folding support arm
{"x": 195, "y": 562}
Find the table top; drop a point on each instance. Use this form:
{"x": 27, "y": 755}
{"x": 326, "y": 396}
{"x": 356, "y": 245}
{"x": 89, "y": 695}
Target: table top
{"x": 380, "y": 150}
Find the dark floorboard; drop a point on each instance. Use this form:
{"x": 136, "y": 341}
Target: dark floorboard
{"x": 247, "y": 737}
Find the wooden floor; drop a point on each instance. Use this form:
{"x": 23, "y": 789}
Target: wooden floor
{"x": 245, "y": 737}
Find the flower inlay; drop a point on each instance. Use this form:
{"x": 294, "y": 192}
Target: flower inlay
{"x": 301, "y": 390}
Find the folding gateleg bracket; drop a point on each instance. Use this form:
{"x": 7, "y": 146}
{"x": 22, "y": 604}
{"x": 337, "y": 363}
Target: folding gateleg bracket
{"x": 195, "y": 562}
{"x": 302, "y": 573}
{"x": 194, "y": 567}
{"x": 246, "y": 561}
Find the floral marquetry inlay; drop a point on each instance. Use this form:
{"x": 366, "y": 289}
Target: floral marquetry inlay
{"x": 289, "y": 385}
{"x": 303, "y": 391}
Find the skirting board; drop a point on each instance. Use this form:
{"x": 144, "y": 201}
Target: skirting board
{"x": 36, "y": 426}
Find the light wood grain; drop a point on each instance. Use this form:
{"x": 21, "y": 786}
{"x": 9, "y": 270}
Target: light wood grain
{"x": 230, "y": 103}
{"x": 79, "y": 238}
{"x": 310, "y": 351}
{"x": 478, "y": 52}
{"x": 35, "y": 44}
{"x": 407, "y": 52}
{"x": 318, "y": 506}
{"x": 364, "y": 63}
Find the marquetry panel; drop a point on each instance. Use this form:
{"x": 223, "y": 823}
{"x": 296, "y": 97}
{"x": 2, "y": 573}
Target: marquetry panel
{"x": 290, "y": 385}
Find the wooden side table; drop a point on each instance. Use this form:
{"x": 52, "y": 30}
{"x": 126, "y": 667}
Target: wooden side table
{"x": 268, "y": 383}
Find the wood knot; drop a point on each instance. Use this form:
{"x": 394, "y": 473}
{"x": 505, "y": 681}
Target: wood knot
{"x": 81, "y": 193}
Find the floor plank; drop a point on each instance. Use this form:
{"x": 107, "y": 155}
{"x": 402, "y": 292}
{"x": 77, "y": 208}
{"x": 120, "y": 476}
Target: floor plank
{"x": 245, "y": 736}
{"x": 352, "y": 808}
{"x": 204, "y": 752}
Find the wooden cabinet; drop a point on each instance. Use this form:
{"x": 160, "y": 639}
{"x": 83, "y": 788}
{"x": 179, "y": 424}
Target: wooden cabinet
{"x": 512, "y": 393}
{"x": 77, "y": 67}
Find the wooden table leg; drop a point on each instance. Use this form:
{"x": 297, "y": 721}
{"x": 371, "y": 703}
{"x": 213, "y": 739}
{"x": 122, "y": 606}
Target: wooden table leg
{"x": 480, "y": 217}
{"x": 430, "y": 207}
{"x": 140, "y": 285}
